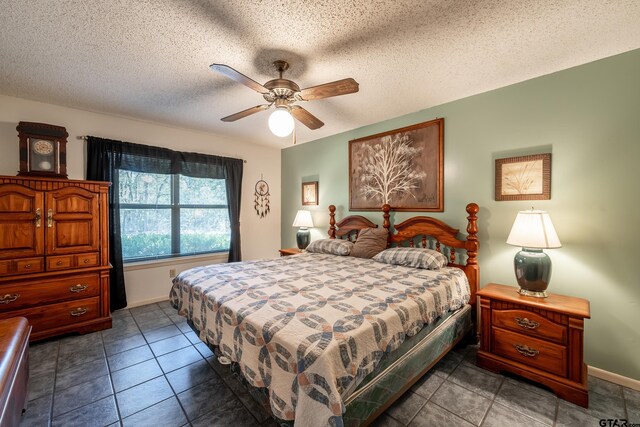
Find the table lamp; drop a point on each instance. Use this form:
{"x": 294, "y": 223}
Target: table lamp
{"x": 533, "y": 231}
{"x": 304, "y": 221}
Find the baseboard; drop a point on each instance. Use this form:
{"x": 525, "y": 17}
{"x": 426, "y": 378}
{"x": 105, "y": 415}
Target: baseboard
{"x": 614, "y": 378}
{"x": 147, "y": 301}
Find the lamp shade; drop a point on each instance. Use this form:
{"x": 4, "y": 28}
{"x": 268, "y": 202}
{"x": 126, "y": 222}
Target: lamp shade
{"x": 281, "y": 123}
{"x": 303, "y": 219}
{"x": 533, "y": 229}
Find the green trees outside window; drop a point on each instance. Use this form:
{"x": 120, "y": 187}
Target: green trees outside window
{"x": 171, "y": 215}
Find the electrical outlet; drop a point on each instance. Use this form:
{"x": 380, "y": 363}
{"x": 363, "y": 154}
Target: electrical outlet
{"x": 172, "y": 273}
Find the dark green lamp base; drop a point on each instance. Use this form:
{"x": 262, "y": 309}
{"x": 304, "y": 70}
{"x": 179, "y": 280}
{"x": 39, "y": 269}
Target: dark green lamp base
{"x": 533, "y": 271}
{"x": 303, "y": 238}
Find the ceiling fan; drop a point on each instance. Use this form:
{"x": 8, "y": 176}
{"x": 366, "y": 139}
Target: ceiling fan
{"x": 284, "y": 93}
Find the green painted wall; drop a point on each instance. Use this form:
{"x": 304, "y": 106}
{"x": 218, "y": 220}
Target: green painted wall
{"x": 588, "y": 117}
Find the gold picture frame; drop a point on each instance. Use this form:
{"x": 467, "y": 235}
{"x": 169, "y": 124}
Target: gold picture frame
{"x": 523, "y": 178}
{"x": 310, "y": 193}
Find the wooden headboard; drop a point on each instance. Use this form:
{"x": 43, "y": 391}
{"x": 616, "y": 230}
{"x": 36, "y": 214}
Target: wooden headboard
{"x": 433, "y": 233}
{"x": 427, "y": 232}
{"x": 349, "y": 227}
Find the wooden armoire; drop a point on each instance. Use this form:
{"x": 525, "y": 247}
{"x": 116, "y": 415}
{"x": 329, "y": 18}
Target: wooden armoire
{"x": 54, "y": 254}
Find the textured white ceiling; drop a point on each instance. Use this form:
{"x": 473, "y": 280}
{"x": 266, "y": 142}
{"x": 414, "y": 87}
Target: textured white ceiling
{"x": 149, "y": 59}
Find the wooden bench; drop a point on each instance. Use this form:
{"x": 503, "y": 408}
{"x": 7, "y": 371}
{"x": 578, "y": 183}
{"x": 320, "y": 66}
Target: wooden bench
{"x": 14, "y": 369}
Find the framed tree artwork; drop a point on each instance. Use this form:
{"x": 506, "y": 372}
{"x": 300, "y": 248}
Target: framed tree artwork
{"x": 524, "y": 178}
{"x": 403, "y": 167}
{"x": 310, "y": 193}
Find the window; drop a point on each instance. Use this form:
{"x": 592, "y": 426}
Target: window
{"x": 171, "y": 215}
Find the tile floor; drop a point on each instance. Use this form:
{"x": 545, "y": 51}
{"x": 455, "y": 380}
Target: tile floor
{"x": 152, "y": 370}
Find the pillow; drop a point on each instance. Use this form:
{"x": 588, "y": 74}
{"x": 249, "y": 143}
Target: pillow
{"x": 427, "y": 259}
{"x": 370, "y": 242}
{"x": 330, "y": 246}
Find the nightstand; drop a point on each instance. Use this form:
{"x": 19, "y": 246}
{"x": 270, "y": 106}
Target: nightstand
{"x": 537, "y": 338}
{"x": 289, "y": 251}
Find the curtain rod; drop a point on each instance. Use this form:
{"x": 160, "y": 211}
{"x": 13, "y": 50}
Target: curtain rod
{"x": 84, "y": 138}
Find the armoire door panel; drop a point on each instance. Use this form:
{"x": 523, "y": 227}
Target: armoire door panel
{"x": 72, "y": 221}
{"x": 21, "y": 222}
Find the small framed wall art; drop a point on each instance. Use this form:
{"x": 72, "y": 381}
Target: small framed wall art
{"x": 310, "y": 193}
{"x": 524, "y": 178}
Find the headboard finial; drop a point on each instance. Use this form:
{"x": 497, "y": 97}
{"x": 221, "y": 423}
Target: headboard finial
{"x": 332, "y": 221}
{"x": 472, "y": 238}
{"x": 386, "y": 208}
{"x": 472, "y": 225}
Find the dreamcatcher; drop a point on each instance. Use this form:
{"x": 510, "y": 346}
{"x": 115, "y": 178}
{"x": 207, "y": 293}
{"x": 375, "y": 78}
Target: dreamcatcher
{"x": 261, "y": 200}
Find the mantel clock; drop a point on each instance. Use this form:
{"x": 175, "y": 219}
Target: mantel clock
{"x": 43, "y": 149}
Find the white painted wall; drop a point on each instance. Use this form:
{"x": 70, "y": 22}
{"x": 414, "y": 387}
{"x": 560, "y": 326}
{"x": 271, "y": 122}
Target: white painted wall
{"x": 260, "y": 237}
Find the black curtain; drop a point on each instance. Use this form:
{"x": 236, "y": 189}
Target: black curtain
{"x": 102, "y": 161}
{"x": 233, "y": 179}
{"x": 105, "y": 156}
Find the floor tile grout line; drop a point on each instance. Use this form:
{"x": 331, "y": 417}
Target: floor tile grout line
{"x": 87, "y": 404}
{"x": 53, "y": 392}
{"x": 557, "y": 400}
{"x": 445, "y": 379}
{"x": 164, "y": 374}
{"x": 624, "y": 403}
{"x": 555, "y": 418}
{"x": 493, "y": 400}
{"x": 429, "y": 400}
{"x": 120, "y": 418}
{"x": 113, "y": 386}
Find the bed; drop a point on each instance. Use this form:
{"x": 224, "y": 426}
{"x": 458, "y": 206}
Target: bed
{"x": 322, "y": 339}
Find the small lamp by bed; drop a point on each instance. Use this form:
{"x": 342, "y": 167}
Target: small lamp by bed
{"x": 304, "y": 221}
{"x": 533, "y": 231}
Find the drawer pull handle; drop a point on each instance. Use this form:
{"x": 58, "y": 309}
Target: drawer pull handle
{"x": 9, "y": 298}
{"x": 78, "y": 312}
{"x": 526, "y": 350}
{"x": 27, "y": 267}
{"x": 59, "y": 263}
{"x": 526, "y": 323}
{"x": 78, "y": 288}
{"x": 86, "y": 261}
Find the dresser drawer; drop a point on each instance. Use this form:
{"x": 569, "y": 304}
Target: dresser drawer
{"x": 60, "y": 314}
{"x": 65, "y": 262}
{"x": 21, "y": 266}
{"x": 87, "y": 260}
{"x": 530, "y": 323}
{"x": 530, "y": 351}
{"x": 29, "y": 265}
{"x": 59, "y": 262}
{"x": 32, "y": 293}
{"x": 5, "y": 267}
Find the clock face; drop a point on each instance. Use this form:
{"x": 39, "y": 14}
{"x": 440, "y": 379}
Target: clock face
{"x": 43, "y": 147}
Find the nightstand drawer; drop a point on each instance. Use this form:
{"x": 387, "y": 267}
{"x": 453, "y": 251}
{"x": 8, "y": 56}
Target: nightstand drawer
{"x": 527, "y": 322}
{"x": 530, "y": 351}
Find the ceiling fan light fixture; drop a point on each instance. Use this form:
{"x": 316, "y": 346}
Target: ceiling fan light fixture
{"x": 281, "y": 122}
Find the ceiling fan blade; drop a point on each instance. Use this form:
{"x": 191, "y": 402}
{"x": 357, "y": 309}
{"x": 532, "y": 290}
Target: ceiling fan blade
{"x": 239, "y": 77}
{"x": 244, "y": 113}
{"x": 305, "y": 117}
{"x": 340, "y": 87}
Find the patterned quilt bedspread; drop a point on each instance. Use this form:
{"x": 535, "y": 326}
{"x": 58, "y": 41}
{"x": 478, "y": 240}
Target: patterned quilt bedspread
{"x": 311, "y": 327}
